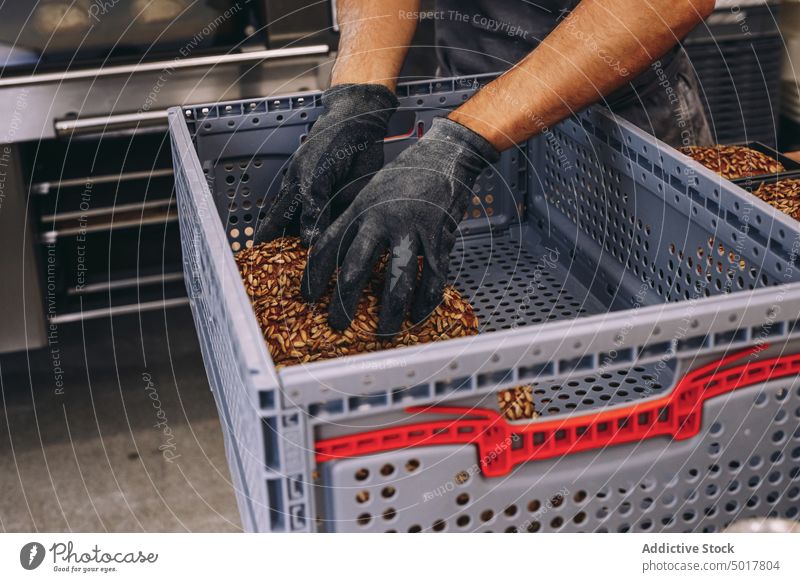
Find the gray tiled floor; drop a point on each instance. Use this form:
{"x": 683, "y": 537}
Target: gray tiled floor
{"x": 89, "y": 460}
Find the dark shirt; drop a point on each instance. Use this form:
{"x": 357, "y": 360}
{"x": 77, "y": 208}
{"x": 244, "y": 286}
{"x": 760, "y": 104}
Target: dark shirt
{"x": 487, "y": 36}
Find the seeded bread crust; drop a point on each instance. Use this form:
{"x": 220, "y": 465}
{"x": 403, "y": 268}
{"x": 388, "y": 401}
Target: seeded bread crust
{"x": 297, "y": 332}
{"x": 783, "y": 195}
{"x": 733, "y": 162}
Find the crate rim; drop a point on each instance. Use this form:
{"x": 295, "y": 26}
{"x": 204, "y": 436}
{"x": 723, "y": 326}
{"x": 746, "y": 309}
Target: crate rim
{"x": 301, "y": 380}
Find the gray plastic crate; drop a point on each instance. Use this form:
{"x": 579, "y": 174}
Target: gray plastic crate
{"x": 609, "y": 267}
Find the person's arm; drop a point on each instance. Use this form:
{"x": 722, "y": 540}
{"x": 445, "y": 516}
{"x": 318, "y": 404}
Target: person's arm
{"x": 373, "y": 41}
{"x": 345, "y": 146}
{"x": 600, "y": 46}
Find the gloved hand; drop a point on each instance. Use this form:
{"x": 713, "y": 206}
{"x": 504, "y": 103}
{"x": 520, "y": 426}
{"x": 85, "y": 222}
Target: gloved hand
{"x": 412, "y": 206}
{"x": 341, "y": 152}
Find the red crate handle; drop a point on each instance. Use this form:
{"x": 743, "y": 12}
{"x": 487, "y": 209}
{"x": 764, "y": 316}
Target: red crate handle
{"x": 502, "y": 446}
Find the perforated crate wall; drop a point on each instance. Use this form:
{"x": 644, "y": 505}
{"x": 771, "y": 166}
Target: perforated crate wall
{"x": 744, "y": 463}
{"x": 244, "y": 174}
{"x": 730, "y": 245}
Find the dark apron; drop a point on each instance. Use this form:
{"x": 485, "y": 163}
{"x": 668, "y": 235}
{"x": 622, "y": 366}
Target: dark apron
{"x": 486, "y": 36}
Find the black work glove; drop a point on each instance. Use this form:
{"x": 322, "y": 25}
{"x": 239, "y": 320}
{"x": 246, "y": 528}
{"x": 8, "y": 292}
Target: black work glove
{"x": 412, "y": 206}
{"x": 341, "y": 152}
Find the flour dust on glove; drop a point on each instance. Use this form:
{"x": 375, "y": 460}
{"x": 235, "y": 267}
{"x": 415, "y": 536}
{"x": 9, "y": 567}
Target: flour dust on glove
{"x": 412, "y": 207}
{"x": 341, "y": 152}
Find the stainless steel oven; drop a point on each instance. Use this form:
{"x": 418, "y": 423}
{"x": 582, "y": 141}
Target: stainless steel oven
{"x": 293, "y": 23}
{"x": 88, "y": 220}
{"x": 49, "y": 34}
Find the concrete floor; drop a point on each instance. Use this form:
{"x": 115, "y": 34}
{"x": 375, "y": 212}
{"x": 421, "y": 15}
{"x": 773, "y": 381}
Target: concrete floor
{"x": 132, "y": 444}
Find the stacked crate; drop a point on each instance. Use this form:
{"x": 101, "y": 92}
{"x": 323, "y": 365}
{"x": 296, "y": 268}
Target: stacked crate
{"x": 737, "y": 56}
{"x": 790, "y": 30}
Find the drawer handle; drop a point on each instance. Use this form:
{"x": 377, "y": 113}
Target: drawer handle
{"x": 209, "y": 61}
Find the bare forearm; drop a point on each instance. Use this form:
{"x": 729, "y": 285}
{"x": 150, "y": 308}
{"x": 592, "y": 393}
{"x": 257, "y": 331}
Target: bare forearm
{"x": 595, "y": 50}
{"x": 374, "y": 40}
